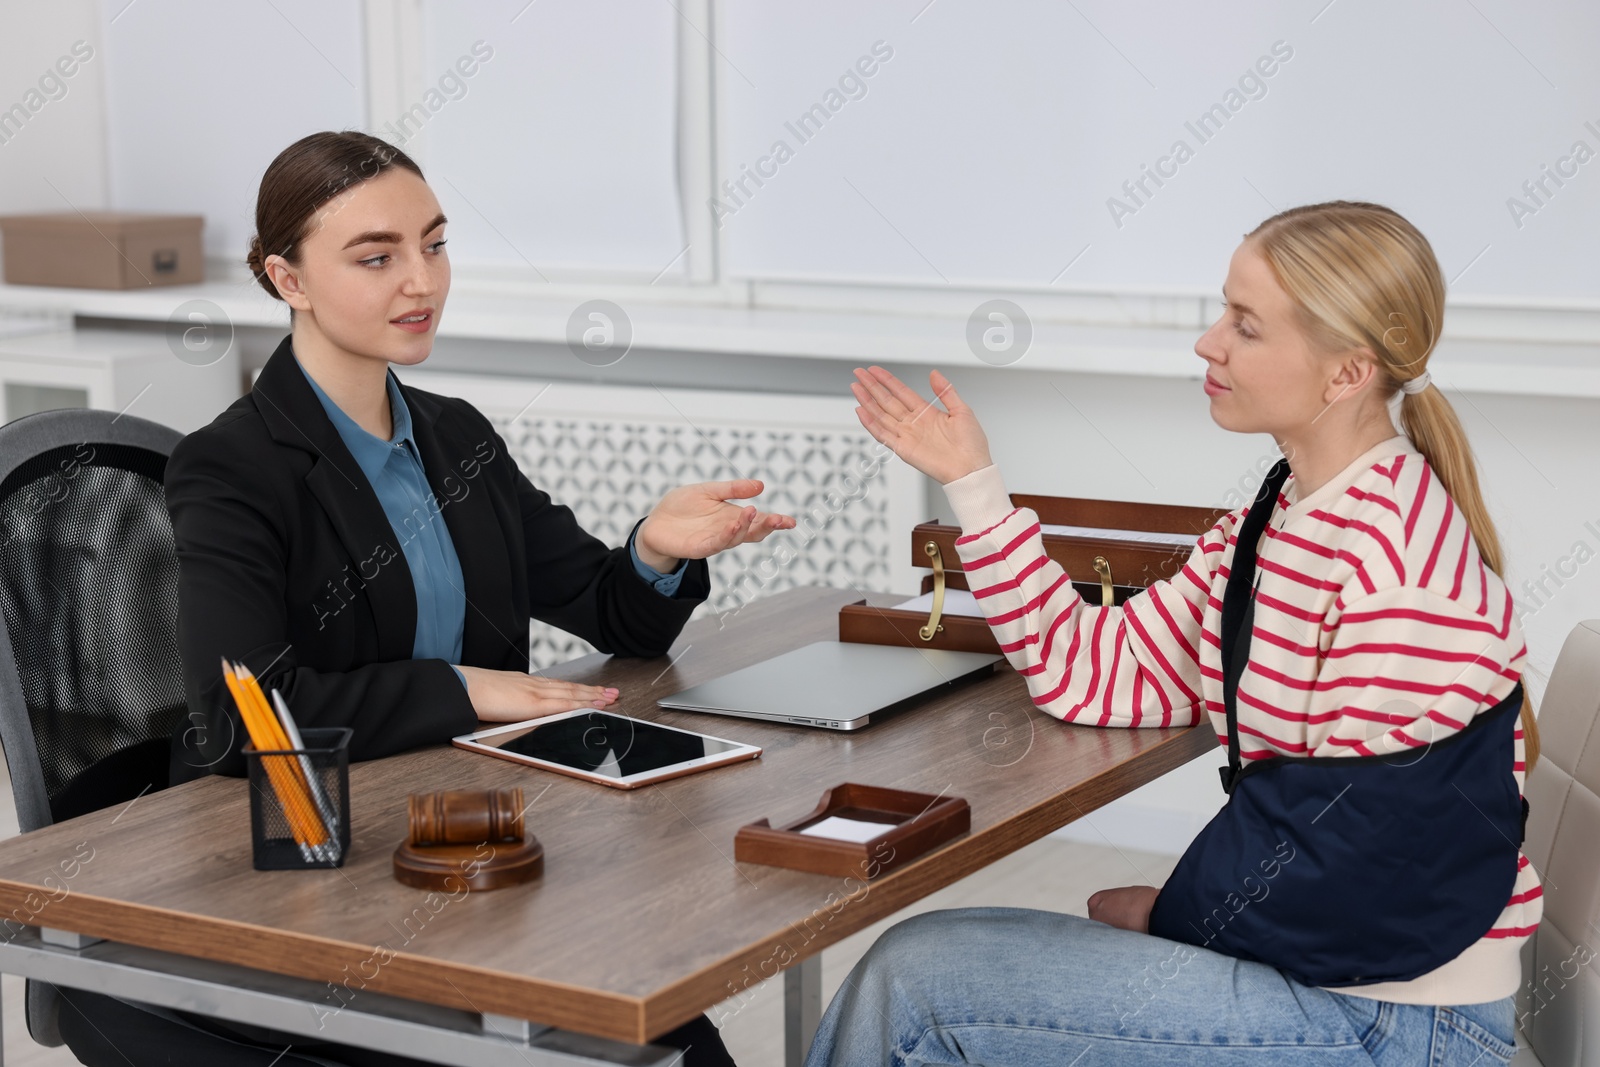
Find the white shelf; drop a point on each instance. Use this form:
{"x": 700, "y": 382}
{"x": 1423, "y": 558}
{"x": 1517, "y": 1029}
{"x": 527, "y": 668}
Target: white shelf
{"x": 115, "y": 370}
{"x": 1522, "y": 350}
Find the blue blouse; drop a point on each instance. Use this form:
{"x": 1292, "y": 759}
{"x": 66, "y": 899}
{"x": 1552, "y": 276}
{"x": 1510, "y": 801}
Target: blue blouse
{"x": 394, "y": 469}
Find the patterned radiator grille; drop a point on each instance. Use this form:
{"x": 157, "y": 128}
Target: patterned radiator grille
{"x": 609, "y": 453}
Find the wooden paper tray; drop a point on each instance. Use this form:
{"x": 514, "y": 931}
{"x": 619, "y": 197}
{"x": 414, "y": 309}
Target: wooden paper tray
{"x": 914, "y": 825}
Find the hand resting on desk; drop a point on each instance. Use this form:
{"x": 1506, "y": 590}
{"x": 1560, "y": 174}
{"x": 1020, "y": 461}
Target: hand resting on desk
{"x": 512, "y": 696}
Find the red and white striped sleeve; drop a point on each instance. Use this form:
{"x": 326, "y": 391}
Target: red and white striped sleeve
{"x": 1135, "y": 664}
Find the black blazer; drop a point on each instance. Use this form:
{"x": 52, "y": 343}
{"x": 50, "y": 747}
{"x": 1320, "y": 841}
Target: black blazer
{"x": 287, "y": 561}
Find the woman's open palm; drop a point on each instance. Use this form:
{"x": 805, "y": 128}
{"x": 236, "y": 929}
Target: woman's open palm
{"x": 696, "y": 521}
{"x": 943, "y": 443}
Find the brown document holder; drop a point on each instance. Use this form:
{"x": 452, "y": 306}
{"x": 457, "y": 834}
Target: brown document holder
{"x": 1120, "y": 568}
{"x": 914, "y": 824}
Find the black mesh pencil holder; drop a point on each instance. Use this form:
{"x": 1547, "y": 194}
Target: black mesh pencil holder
{"x": 300, "y": 802}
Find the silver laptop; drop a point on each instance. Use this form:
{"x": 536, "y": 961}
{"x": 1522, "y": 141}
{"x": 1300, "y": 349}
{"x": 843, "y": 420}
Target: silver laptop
{"x": 836, "y": 685}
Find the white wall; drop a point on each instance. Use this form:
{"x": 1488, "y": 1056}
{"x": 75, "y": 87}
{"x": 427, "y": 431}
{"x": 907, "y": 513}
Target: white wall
{"x": 560, "y": 150}
{"x": 994, "y": 144}
{"x": 203, "y": 95}
{"x": 55, "y": 158}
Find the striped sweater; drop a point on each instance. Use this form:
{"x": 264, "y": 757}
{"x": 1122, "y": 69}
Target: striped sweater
{"x": 1377, "y": 627}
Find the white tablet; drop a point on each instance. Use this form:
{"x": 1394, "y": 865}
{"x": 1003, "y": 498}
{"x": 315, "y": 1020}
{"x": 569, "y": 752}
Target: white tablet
{"x": 601, "y": 746}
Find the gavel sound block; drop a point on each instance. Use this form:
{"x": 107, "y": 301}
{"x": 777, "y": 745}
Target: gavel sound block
{"x": 467, "y": 838}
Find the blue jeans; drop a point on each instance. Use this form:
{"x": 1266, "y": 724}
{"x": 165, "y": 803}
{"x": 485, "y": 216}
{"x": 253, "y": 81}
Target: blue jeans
{"x": 1011, "y": 987}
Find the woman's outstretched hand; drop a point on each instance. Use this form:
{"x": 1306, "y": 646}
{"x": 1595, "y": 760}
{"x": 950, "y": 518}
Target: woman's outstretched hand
{"x": 944, "y": 444}
{"x": 696, "y": 521}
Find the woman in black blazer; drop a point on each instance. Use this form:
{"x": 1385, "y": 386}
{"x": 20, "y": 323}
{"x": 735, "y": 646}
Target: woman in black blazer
{"x": 292, "y": 560}
{"x": 287, "y": 558}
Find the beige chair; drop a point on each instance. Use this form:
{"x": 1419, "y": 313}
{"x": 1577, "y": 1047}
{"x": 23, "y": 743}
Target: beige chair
{"x": 1559, "y": 1006}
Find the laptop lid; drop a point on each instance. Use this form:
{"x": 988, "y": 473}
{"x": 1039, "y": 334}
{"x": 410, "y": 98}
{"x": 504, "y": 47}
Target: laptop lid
{"x": 835, "y": 684}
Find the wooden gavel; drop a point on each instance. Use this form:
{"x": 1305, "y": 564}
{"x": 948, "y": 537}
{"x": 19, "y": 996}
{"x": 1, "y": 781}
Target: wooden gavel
{"x": 466, "y": 816}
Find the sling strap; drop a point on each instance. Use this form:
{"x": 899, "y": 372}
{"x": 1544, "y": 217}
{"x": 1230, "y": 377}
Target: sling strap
{"x": 1239, "y": 609}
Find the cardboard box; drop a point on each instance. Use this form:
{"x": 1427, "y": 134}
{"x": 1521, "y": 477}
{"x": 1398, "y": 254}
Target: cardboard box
{"x": 102, "y": 249}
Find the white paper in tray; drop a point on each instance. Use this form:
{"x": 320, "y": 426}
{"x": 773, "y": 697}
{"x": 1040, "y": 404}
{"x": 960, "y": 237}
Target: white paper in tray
{"x": 1149, "y": 537}
{"x": 956, "y": 602}
{"x": 841, "y": 829}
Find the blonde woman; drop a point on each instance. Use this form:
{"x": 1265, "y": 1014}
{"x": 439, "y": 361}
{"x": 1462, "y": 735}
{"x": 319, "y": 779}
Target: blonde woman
{"x": 1350, "y": 625}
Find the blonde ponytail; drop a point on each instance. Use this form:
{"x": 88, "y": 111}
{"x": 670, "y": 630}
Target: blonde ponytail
{"x": 1361, "y": 275}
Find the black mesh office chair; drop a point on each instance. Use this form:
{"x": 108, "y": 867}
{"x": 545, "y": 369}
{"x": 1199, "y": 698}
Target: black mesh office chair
{"x": 90, "y": 681}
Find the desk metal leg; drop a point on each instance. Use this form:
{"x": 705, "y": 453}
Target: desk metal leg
{"x": 802, "y": 1008}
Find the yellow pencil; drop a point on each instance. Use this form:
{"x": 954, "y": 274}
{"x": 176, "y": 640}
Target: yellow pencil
{"x": 300, "y": 787}
{"x": 317, "y": 832}
{"x": 263, "y": 741}
{"x": 247, "y": 714}
{"x": 282, "y": 779}
{"x": 300, "y": 792}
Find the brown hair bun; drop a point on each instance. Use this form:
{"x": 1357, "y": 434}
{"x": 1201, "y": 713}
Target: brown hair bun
{"x": 306, "y": 175}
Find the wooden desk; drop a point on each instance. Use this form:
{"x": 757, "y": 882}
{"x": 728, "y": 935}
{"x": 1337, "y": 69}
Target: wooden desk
{"x": 642, "y": 918}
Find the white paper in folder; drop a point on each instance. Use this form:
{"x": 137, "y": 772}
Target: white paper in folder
{"x": 956, "y": 602}
{"x": 1148, "y": 537}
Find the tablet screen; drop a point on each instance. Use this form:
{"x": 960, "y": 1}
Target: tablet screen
{"x": 611, "y": 745}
